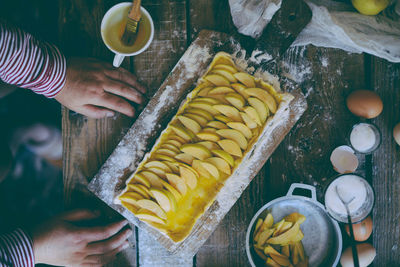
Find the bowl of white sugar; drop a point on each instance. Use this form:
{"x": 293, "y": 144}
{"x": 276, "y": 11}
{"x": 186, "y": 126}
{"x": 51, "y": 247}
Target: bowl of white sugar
{"x": 352, "y": 187}
{"x": 365, "y": 137}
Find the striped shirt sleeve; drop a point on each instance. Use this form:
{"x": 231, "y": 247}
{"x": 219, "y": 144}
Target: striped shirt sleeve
{"x": 30, "y": 63}
{"x": 16, "y": 250}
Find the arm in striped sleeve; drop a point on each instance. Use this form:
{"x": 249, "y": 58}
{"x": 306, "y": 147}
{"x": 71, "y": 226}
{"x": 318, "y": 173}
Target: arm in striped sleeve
{"x": 30, "y": 63}
{"x": 16, "y": 250}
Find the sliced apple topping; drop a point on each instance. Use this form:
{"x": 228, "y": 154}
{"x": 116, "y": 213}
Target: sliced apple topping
{"x": 172, "y": 190}
{"x": 149, "y": 218}
{"x": 221, "y": 164}
{"x": 220, "y": 90}
{"x": 231, "y": 147}
{"x": 173, "y": 165}
{"x": 130, "y": 197}
{"x": 177, "y": 182}
{"x": 208, "y": 100}
{"x": 200, "y": 169}
{"x": 225, "y": 156}
{"x": 182, "y": 132}
{"x": 209, "y": 130}
{"x": 138, "y": 188}
{"x": 208, "y": 135}
{"x": 190, "y": 124}
{"x": 260, "y": 107}
{"x": 248, "y": 120}
{"x": 184, "y": 157}
{"x": 217, "y": 80}
{"x": 171, "y": 147}
{"x": 164, "y": 198}
{"x": 241, "y": 89}
{"x": 264, "y": 96}
{"x": 177, "y": 138}
{"x": 199, "y": 119}
{"x": 252, "y": 113}
{"x": 235, "y": 135}
{"x": 157, "y": 164}
{"x": 153, "y": 178}
{"x": 162, "y": 157}
{"x": 225, "y": 67}
{"x": 196, "y": 150}
{"x": 245, "y": 78}
{"x": 223, "y": 118}
{"x": 204, "y": 91}
{"x": 229, "y": 111}
{"x": 210, "y": 169}
{"x": 217, "y": 125}
{"x": 205, "y": 114}
{"x": 190, "y": 176}
{"x": 228, "y": 75}
{"x": 241, "y": 127}
{"x": 236, "y": 100}
{"x": 204, "y": 106}
{"x": 152, "y": 206}
{"x": 166, "y": 152}
{"x": 158, "y": 171}
{"x": 209, "y": 145}
{"x": 142, "y": 180}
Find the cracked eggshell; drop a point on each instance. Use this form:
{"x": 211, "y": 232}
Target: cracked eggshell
{"x": 344, "y": 160}
{"x": 396, "y": 133}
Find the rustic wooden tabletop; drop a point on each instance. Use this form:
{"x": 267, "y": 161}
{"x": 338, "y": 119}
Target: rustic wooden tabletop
{"x": 326, "y": 76}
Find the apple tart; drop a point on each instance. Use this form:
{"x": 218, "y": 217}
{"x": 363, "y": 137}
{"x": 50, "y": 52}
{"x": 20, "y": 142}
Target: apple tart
{"x": 200, "y": 148}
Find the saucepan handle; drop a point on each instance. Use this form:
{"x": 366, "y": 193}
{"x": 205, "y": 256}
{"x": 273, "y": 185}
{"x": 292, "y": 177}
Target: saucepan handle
{"x": 303, "y": 186}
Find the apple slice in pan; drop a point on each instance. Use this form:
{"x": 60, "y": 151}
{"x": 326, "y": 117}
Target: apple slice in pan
{"x": 202, "y": 121}
{"x": 234, "y": 135}
{"x": 209, "y": 145}
{"x": 210, "y": 168}
{"x": 225, "y": 156}
{"x": 152, "y": 206}
{"x": 205, "y": 114}
{"x": 241, "y": 127}
{"x": 182, "y": 132}
{"x": 172, "y": 190}
{"x": 253, "y": 114}
{"x": 140, "y": 189}
{"x": 217, "y": 80}
{"x": 130, "y": 197}
{"x": 170, "y": 146}
{"x": 260, "y": 107}
{"x": 164, "y": 198}
{"x": 231, "y": 147}
{"x": 229, "y": 68}
{"x": 236, "y": 100}
{"x": 185, "y": 158}
{"x": 223, "y": 118}
{"x": 190, "y": 124}
{"x": 228, "y": 75}
{"x": 229, "y": 111}
{"x": 240, "y": 89}
{"x": 149, "y": 218}
{"x": 264, "y": 96}
{"x": 159, "y": 172}
{"x": 204, "y": 106}
{"x": 196, "y": 150}
{"x": 221, "y": 90}
{"x": 189, "y": 175}
{"x": 221, "y": 164}
{"x": 177, "y": 182}
{"x": 245, "y": 79}
{"x": 210, "y": 100}
{"x": 248, "y": 120}
{"x": 139, "y": 178}
{"x": 153, "y": 178}
{"x": 208, "y": 134}
{"x": 200, "y": 169}
{"x": 166, "y": 152}
{"x": 217, "y": 125}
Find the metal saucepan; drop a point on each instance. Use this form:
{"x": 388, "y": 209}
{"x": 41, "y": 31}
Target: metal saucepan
{"x": 322, "y": 237}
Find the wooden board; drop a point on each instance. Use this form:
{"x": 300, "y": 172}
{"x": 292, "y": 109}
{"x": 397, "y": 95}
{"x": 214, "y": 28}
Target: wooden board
{"x": 140, "y": 138}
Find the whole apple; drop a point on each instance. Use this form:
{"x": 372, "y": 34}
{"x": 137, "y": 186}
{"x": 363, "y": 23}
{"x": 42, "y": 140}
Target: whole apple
{"x": 370, "y": 7}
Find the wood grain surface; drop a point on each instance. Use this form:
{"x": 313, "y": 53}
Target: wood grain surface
{"x": 326, "y": 76}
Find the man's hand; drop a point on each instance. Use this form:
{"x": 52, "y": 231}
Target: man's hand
{"x": 97, "y": 89}
{"x": 61, "y": 242}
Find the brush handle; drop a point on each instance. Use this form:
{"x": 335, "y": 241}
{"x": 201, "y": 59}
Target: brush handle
{"x": 135, "y": 13}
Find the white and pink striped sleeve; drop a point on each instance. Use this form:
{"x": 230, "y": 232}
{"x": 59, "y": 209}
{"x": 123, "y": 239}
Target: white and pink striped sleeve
{"x": 16, "y": 250}
{"x": 29, "y": 63}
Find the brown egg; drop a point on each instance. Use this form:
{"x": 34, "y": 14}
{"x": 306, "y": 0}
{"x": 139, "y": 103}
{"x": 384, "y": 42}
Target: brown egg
{"x": 362, "y": 230}
{"x": 364, "y": 103}
{"x": 396, "y": 133}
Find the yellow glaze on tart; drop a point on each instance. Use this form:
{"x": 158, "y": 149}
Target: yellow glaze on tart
{"x": 200, "y": 148}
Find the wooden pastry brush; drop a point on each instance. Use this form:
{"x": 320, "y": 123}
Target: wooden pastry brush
{"x": 132, "y": 24}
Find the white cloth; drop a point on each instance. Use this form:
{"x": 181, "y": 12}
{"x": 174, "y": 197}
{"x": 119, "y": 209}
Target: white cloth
{"x": 333, "y": 24}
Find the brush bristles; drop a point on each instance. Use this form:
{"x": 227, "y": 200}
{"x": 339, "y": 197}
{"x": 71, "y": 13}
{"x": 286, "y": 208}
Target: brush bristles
{"x": 129, "y": 36}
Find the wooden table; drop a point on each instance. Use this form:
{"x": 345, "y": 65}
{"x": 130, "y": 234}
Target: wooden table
{"x": 327, "y": 76}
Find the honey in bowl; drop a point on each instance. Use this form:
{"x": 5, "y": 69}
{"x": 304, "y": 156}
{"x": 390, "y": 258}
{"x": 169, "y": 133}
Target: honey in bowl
{"x": 115, "y": 27}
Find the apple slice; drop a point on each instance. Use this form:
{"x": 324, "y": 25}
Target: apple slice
{"x": 264, "y": 96}
{"x": 170, "y": 146}
{"x": 177, "y": 138}
{"x": 245, "y": 78}
{"x": 183, "y": 132}
{"x": 231, "y": 147}
{"x": 209, "y": 145}
{"x": 166, "y": 152}
{"x": 175, "y": 143}
{"x": 205, "y": 114}
{"x": 162, "y": 157}
{"x": 142, "y": 180}
{"x": 184, "y": 157}
{"x": 270, "y": 89}
{"x": 217, "y": 125}
{"x": 189, "y": 123}
{"x": 208, "y": 100}
{"x": 208, "y": 135}
{"x": 217, "y": 80}
{"x": 225, "y": 67}
{"x": 173, "y": 165}
{"x": 225, "y": 156}
{"x": 150, "y": 218}
{"x": 153, "y": 178}
{"x": 234, "y": 135}
{"x": 228, "y": 75}
{"x": 200, "y": 169}
{"x": 189, "y": 176}
{"x": 248, "y": 120}
{"x": 141, "y": 189}
{"x": 252, "y": 112}
{"x": 152, "y": 206}
{"x": 172, "y": 190}
{"x": 220, "y": 97}
{"x": 157, "y": 164}
{"x": 199, "y": 119}
{"x": 157, "y": 171}
{"x": 236, "y": 100}
{"x": 229, "y": 111}
{"x": 241, "y": 127}
{"x": 240, "y": 88}
{"x": 177, "y": 182}
{"x": 221, "y": 90}
{"x": 209, "y": 130}
{"x": 130, "y": 206}
{"x": 211, "y": 169}
{"x": 196, "y": 150}
{"x": 130, "y": 197}
{"x": 260, "y": 107}
{"x": 221, "y": 164}
{"x": 167, "y": 203}
{"x": 204, "y": 106}
{"x": 204, "y": 91}
{"x": 222, "y": 118}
